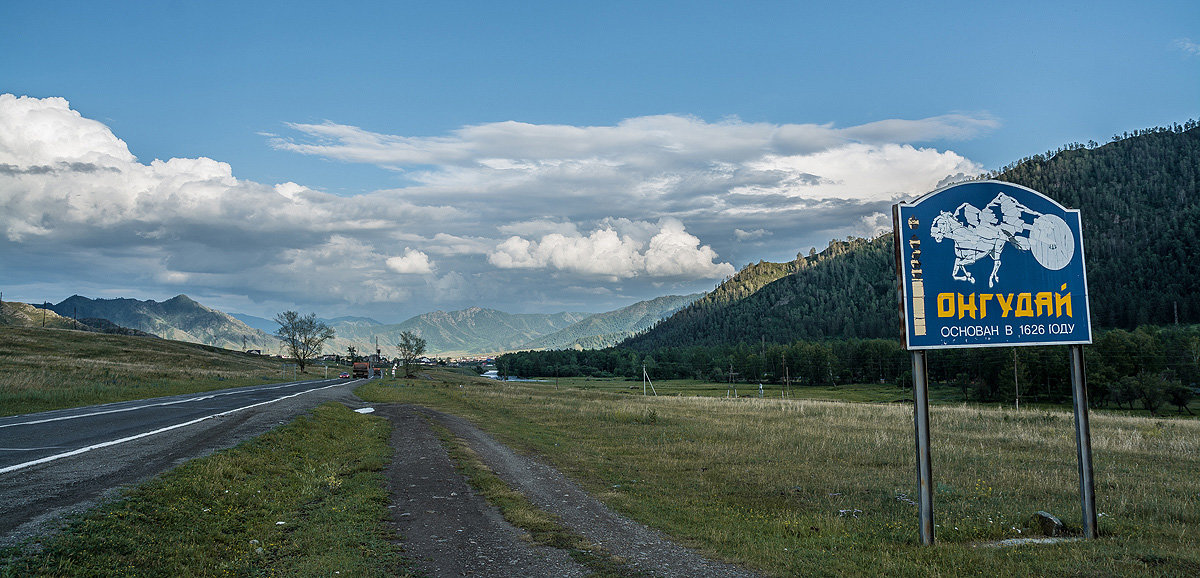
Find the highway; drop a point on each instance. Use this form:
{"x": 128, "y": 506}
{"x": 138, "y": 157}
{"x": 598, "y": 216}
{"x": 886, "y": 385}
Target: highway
{"x": 58, "y": 462}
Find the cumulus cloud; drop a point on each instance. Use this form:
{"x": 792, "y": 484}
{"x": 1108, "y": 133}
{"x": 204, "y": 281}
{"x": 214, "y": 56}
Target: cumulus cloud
{"x": 411, "y": 263}
{"x": 670, "y": 252}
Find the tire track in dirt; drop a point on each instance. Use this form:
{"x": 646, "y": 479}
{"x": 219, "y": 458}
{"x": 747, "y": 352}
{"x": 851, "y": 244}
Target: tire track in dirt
{"x": 645, "y": 551}
{"x": 447, "y": 529}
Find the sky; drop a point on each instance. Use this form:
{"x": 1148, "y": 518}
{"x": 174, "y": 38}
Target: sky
{"x": 386, "y": 159}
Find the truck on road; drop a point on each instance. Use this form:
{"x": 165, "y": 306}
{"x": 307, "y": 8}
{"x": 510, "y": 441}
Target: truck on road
{"x": 362, "y": 369}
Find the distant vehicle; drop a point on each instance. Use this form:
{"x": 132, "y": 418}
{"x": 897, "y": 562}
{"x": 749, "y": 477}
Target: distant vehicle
{"x": 344, "y": 375}
{"x": 362, "y": 369}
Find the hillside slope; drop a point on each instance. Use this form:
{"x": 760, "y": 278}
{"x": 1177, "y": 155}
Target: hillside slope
{"x": 1140, "y": 205}
{"x": 847, "y": 290}
{"x": 26, "y": 315}
{"x": 469, "y": 331}
{"x": 179, "y": 318}
{"x": 605, "y": 329}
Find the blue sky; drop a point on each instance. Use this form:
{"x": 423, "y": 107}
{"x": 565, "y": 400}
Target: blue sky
{"x": 388, "y": 159}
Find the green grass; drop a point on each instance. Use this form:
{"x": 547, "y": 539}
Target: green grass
{"x": 44, "y": 369}
{"x": 865, "y": 393}
{"x": 307, "y": 499}
{"x": 805, "y": 487}
{"x": 853, "y": 392}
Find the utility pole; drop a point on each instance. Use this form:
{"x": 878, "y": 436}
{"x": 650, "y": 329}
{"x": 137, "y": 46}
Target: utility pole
{"x": 1016, "y": 385}
{"x": 786, "y": 376}
{"x": 645, "y": 380}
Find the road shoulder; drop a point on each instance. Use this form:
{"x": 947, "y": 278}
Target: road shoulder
{"x": 643, "y": 549}
{"x": 447, "y": 529}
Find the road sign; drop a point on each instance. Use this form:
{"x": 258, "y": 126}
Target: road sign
{"x": 989, "y": 263}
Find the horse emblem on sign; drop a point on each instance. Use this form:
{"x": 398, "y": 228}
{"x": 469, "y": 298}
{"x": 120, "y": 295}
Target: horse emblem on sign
{"x": 979, "y": 233}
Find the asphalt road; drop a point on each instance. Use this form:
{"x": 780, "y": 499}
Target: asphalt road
{"x": 60, "y": 462}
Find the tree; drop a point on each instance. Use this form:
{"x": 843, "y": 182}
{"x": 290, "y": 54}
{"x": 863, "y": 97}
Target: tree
{"x": 410, "y": 347}
{"x": 1180, "y": 396}
{"x": 302, "y": 335}
{"x": 1152, "y": 391}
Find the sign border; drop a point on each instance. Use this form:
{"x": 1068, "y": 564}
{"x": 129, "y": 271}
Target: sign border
{"x": 902, "y": 279}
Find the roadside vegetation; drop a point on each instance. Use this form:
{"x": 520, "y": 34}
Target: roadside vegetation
{"x": 806, "y": 487}
{"x": 44, "y": 369}
{"x": 308, "y": 499}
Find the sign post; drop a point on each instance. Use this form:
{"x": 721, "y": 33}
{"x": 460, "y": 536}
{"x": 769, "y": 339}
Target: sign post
{"x": 991, "y": 264}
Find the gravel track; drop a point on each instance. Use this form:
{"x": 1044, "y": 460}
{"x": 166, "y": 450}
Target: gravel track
{"x": 646, "y": 551}
{"x": 447, "y": 529}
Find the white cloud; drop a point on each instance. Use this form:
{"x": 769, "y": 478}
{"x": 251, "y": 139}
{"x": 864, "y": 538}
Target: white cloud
{"x": 505, "y": 214}
{"x": 675, "y": 253}
{"x": 412, "y": 263}
{"x": 642, "y": 142}
{"x": 670, "y": 252}
{"x": 750, "y": 235}
{"x": 1188, "y": 46}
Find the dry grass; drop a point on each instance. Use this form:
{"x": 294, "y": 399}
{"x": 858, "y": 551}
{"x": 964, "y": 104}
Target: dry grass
{"x": 43, "y": 369}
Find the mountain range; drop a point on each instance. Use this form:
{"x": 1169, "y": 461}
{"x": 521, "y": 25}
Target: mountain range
{"x": 477, "y": 330}
{"x": 179, "y": 318}
{"x": 474, "y": 330}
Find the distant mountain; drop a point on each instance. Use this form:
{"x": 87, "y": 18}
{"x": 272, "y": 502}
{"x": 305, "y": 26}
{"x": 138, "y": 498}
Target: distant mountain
{"x": 267, "y": 326}
{"x": 351, "y": 319}
{"x": 26, "y": 315}
{"x": 606, "y": 329}
{"x": 179, "y": 318}
{"x": 106, "y": 326}
{"x": 469, "y": 331}
{"x": 1139, "y": 197}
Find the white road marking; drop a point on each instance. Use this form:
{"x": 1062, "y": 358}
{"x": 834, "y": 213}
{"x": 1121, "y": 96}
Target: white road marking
{"x": 16, "y": 467}
{"x": 137, "y": 407}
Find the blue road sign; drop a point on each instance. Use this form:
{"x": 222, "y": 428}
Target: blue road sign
{"x": 989, "y": 263}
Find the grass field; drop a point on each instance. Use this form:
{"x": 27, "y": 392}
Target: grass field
{"x": 44, "y": 369}
{"x": 852, "y": 392}
{"x": 807, "y": 487}
{"x": 787, "y": 486}
{"x": 307, "y": 499}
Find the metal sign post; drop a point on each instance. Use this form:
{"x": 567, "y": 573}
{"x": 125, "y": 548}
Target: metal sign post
{"x": 924, "y": 461}
{"x": 1083, "y": 442}
{"x": 992, "y": 264}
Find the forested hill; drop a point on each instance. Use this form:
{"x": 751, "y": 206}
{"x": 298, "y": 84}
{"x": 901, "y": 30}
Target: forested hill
{"x": 1140, "y": 205}
{"x": 847, "y": 290}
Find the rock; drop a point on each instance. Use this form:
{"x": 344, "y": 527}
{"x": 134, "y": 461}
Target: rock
{"x": 1048, "y": 523}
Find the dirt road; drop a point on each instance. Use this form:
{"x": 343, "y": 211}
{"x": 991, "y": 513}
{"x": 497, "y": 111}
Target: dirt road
{"x": 452, "y": 532}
